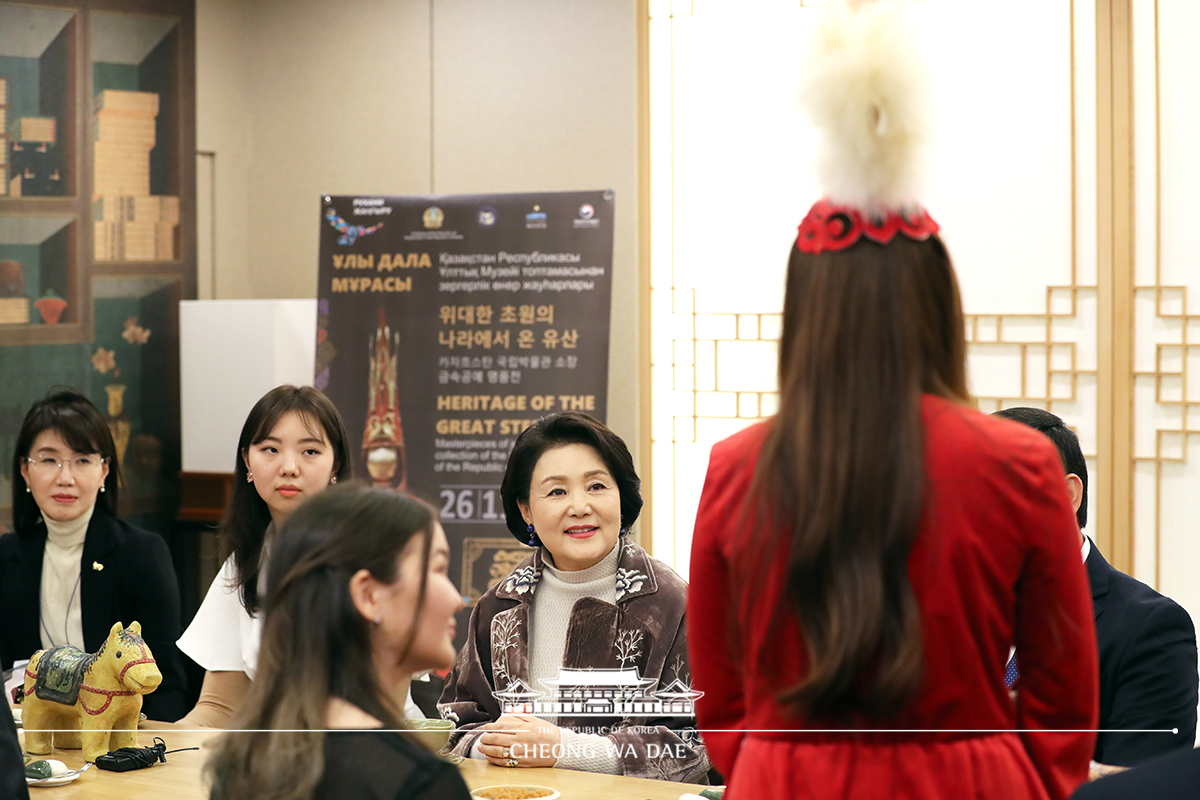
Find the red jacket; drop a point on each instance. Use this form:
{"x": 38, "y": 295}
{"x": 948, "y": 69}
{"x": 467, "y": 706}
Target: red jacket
{"x": 995, "y": 564}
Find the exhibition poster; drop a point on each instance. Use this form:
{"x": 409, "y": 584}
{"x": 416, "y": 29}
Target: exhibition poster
{"x": 448, "y": 324}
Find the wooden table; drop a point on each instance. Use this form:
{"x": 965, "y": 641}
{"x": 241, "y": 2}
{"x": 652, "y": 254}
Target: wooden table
{"x": 180, "y": 778}
{"x": 575, "y": 785}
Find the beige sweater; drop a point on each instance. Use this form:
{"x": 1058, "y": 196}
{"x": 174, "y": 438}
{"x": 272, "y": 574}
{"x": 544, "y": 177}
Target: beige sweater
{"x": 60, "y": 605}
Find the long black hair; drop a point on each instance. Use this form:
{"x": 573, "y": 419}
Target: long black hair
{"x": 246, "y": 519}
{"x": 840, "y": 484}
{"x": 316, "y": 644}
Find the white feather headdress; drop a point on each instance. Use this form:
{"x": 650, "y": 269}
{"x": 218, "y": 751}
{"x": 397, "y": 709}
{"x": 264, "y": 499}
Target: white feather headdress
{"x": 864, "y": 86}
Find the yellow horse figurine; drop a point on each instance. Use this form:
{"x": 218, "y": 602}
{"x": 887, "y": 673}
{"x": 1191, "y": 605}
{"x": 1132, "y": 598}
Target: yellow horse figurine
{"x": 75, "y": 699}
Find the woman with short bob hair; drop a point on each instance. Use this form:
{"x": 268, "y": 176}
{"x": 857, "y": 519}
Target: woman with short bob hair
{"x": 292, "y": 446}
{"x": 586, "y": 602}
{"x": 358, "y": 599}
{"x": 555, "y": 431}
{"x": 71, "y": 568}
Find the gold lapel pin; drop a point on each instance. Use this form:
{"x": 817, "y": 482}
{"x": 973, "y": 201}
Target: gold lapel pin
{"x": 96, "y": 565}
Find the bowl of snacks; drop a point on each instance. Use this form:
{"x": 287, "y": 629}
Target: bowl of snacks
{"x": 515, "y": 791}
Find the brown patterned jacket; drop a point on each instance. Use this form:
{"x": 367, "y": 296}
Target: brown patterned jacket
{"x": 645, "y": 629}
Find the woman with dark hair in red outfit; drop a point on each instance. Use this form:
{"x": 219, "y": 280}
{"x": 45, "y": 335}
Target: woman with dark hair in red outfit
{"x": 864, "y": 561}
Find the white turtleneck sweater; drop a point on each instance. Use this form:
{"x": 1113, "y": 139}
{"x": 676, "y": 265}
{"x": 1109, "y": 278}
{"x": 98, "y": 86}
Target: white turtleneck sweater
{"x": 557, "y": 593}
{"x": 550, "y": 616}
{"x": 60, "y": 607}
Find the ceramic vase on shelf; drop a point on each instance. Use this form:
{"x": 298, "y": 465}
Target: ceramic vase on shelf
{"x": 51, "y": 309}
{"x": 118, "y": 423}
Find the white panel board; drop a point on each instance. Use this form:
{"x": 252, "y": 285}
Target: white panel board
{"x": 231, "y": 352}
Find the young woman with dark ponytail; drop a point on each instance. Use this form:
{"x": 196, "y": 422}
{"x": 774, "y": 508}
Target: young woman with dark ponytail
{"x": 358, "y": 599}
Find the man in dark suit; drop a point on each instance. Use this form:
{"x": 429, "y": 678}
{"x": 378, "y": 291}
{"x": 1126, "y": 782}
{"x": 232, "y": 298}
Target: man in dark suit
{"x": 1173, "y": 777}
{"x": 1147, "y": 642}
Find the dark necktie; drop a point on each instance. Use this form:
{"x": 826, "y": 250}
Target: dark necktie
{"x": 1010, "y": 672}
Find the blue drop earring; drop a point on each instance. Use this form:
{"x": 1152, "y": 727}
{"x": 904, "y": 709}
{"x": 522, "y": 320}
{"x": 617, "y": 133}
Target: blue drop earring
{"x": 533, "y": 538}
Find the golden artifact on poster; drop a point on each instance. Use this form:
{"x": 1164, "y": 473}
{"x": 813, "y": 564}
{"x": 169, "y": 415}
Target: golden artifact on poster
{"x": 383, "y": 436}
{"x": 79, "y": 700}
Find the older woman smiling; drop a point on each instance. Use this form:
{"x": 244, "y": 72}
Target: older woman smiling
{"x": 602, "y": 605}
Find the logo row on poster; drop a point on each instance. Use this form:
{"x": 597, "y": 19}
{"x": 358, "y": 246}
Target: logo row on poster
{"x": 535, "y": 218}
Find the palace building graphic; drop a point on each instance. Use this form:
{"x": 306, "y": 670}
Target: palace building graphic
{"x": 599, "y": 693}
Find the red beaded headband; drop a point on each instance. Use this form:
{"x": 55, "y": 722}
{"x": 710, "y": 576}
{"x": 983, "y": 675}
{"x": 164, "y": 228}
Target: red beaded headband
{"x": 833, "y": 228}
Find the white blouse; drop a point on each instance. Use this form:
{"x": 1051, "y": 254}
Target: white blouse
{"x": 208, "y": 641}
{"x": 223, "y": 636}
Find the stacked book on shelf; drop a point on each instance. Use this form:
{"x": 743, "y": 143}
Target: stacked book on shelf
{"x": 35, "y": 169}
{"x": 37, "y": 130}
{"x": 135, "y": 228}
{"x": 130, "y": 223}
{"x": 14, "y": 310}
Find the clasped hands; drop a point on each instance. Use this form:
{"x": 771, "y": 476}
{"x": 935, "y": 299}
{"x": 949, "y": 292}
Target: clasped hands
{"x": 520, "y": 740}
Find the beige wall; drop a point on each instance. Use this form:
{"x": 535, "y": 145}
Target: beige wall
{"x": 410, "y": 97}
{"x": 223, "y": 126}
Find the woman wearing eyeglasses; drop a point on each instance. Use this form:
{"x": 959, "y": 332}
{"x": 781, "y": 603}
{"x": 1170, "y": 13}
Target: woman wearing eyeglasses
{"x": 70, "y": 568}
